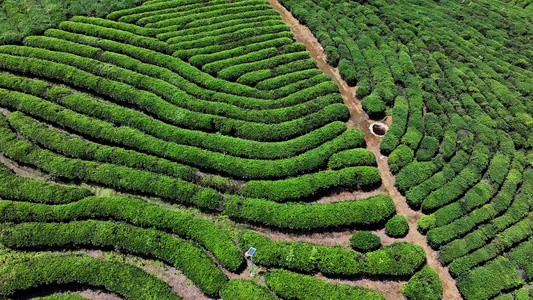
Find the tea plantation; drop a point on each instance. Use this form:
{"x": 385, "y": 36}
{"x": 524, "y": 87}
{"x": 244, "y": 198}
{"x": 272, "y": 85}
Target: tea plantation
{"x": 459, "y": 79}
{"x": 145, "y": 146}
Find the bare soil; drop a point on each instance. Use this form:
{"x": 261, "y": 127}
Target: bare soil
{"x": 22, "y": 170}
{"x": 360, "y": 120}
{"x": 98, "y": 295}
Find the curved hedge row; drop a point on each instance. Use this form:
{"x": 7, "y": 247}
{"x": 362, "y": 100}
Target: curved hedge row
{"x": 129, "y": 117}
{"x": 236, "y": 166}
{"x": 245, "y": 289}
{"x": 202, "y": 11}
{"x": 22, "y": 188}
{"x": 224, "y": 38}
{"x": 503, "y": 241}
{"x": 414, "y": 174}
{"x": 253, "y": 78}
{"x": 188, "y": 53}
{"x": 159, "y": 81}
{"x": 148, "y": 50}
{"x": 175, "y": 24}
{"x": 194, "y": 263}
{"x": 112, "y": 175}
{"x": 167, "y": 20}
{"x": 291, "y": 285}
{"x": 297, "y": 188}
{"x": 352, "y": 158}
{"x": 397, "y": 259}
{"x": 301, "y": 85}
{"x": 372, "y": 210}
{"x": 144, "y": 8}
{"x": 77, "y": 147}
{"x": 126, "y": 280}
{"x": 400, "y": 157}
{"x": 459, "y": 227}
{"x": 400, "y": 113}
{"x": 479, "y": 237}
{"x": 475, "y": 197}
{"x": 135, "y": 211}
{"x": 236, "y": 71}
{"x": 185, "y": 7}
{"x": 220, "y": 27}
{"x": 139, "y": 30}
{"x": 216, "y": 66}
{"x": 171, "y": 113}
{"x": 192, "y": 34}
{"x": 416, "y": 194}
{"x": 490, "y": 280}
{"x": 461, "y": 183}
{"x": 175, "y": 88}
{"x": 286, "y": 79}
{"x": 221, "y": 58}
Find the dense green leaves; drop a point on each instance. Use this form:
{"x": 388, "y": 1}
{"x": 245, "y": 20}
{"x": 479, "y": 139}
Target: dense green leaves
{"x": 424, "y": 285}
{"x": 373, "y": 210}
{"x": 245, "y": 289}
{"x": 397, "y": 259}
{"x": 126, "y": 280}
{"x": 365, "y": 241}
{"x": 194, "y": 263}
{"x": 134, "y": 211}
{"x": 296, "y": 286}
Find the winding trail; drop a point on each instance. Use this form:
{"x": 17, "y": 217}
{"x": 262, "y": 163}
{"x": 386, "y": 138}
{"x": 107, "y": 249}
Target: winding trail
{"x": 358, "y": 119}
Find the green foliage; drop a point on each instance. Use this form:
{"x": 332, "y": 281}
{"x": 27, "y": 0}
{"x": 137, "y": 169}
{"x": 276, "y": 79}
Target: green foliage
{"x": 374, "y": 106}
{"x": 504, "y": 240}
{"x": 348, "y": 72}
{"x": 488, "y": 281}
{"x": 296, "y": 286}
{"x": 413, "y": 174}
{"x": 134, "y": 211}
{"x": 416, "y": 194}
{"x": 399, "y": 158}
{"x": 521, "y": 255}
{"x": 239, "y": 166}
{"x": 397, "y": 226}
{"x": 194, "y": 263}
{"x": 352, "y": 158}
{"x": 123, "y": 279}
{"x": 166, "y": 132}
{"x": 373, "y": 210}
{"x": 245, "y": 289}
{"x": 20, "y": 19}
{"x": 310, "y": 184}
{"x": 365, "y": 241}
{"x": 479, "y": 237}
{"x": 108, "y": 174}
{"x": 424, "y": 285}
{"x": 428, "y": 148}
{"x": 395, "y": 260}
{"x": 400, "y": 113}
{"x": 22, "y": 188}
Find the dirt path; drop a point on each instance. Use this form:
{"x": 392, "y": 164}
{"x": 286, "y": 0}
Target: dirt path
{"x": 360, "y": 120}
{"x": 98, "y": 295}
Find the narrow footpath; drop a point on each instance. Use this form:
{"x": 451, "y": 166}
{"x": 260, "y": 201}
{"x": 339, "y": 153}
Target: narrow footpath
{"x": 358, "y": 119}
